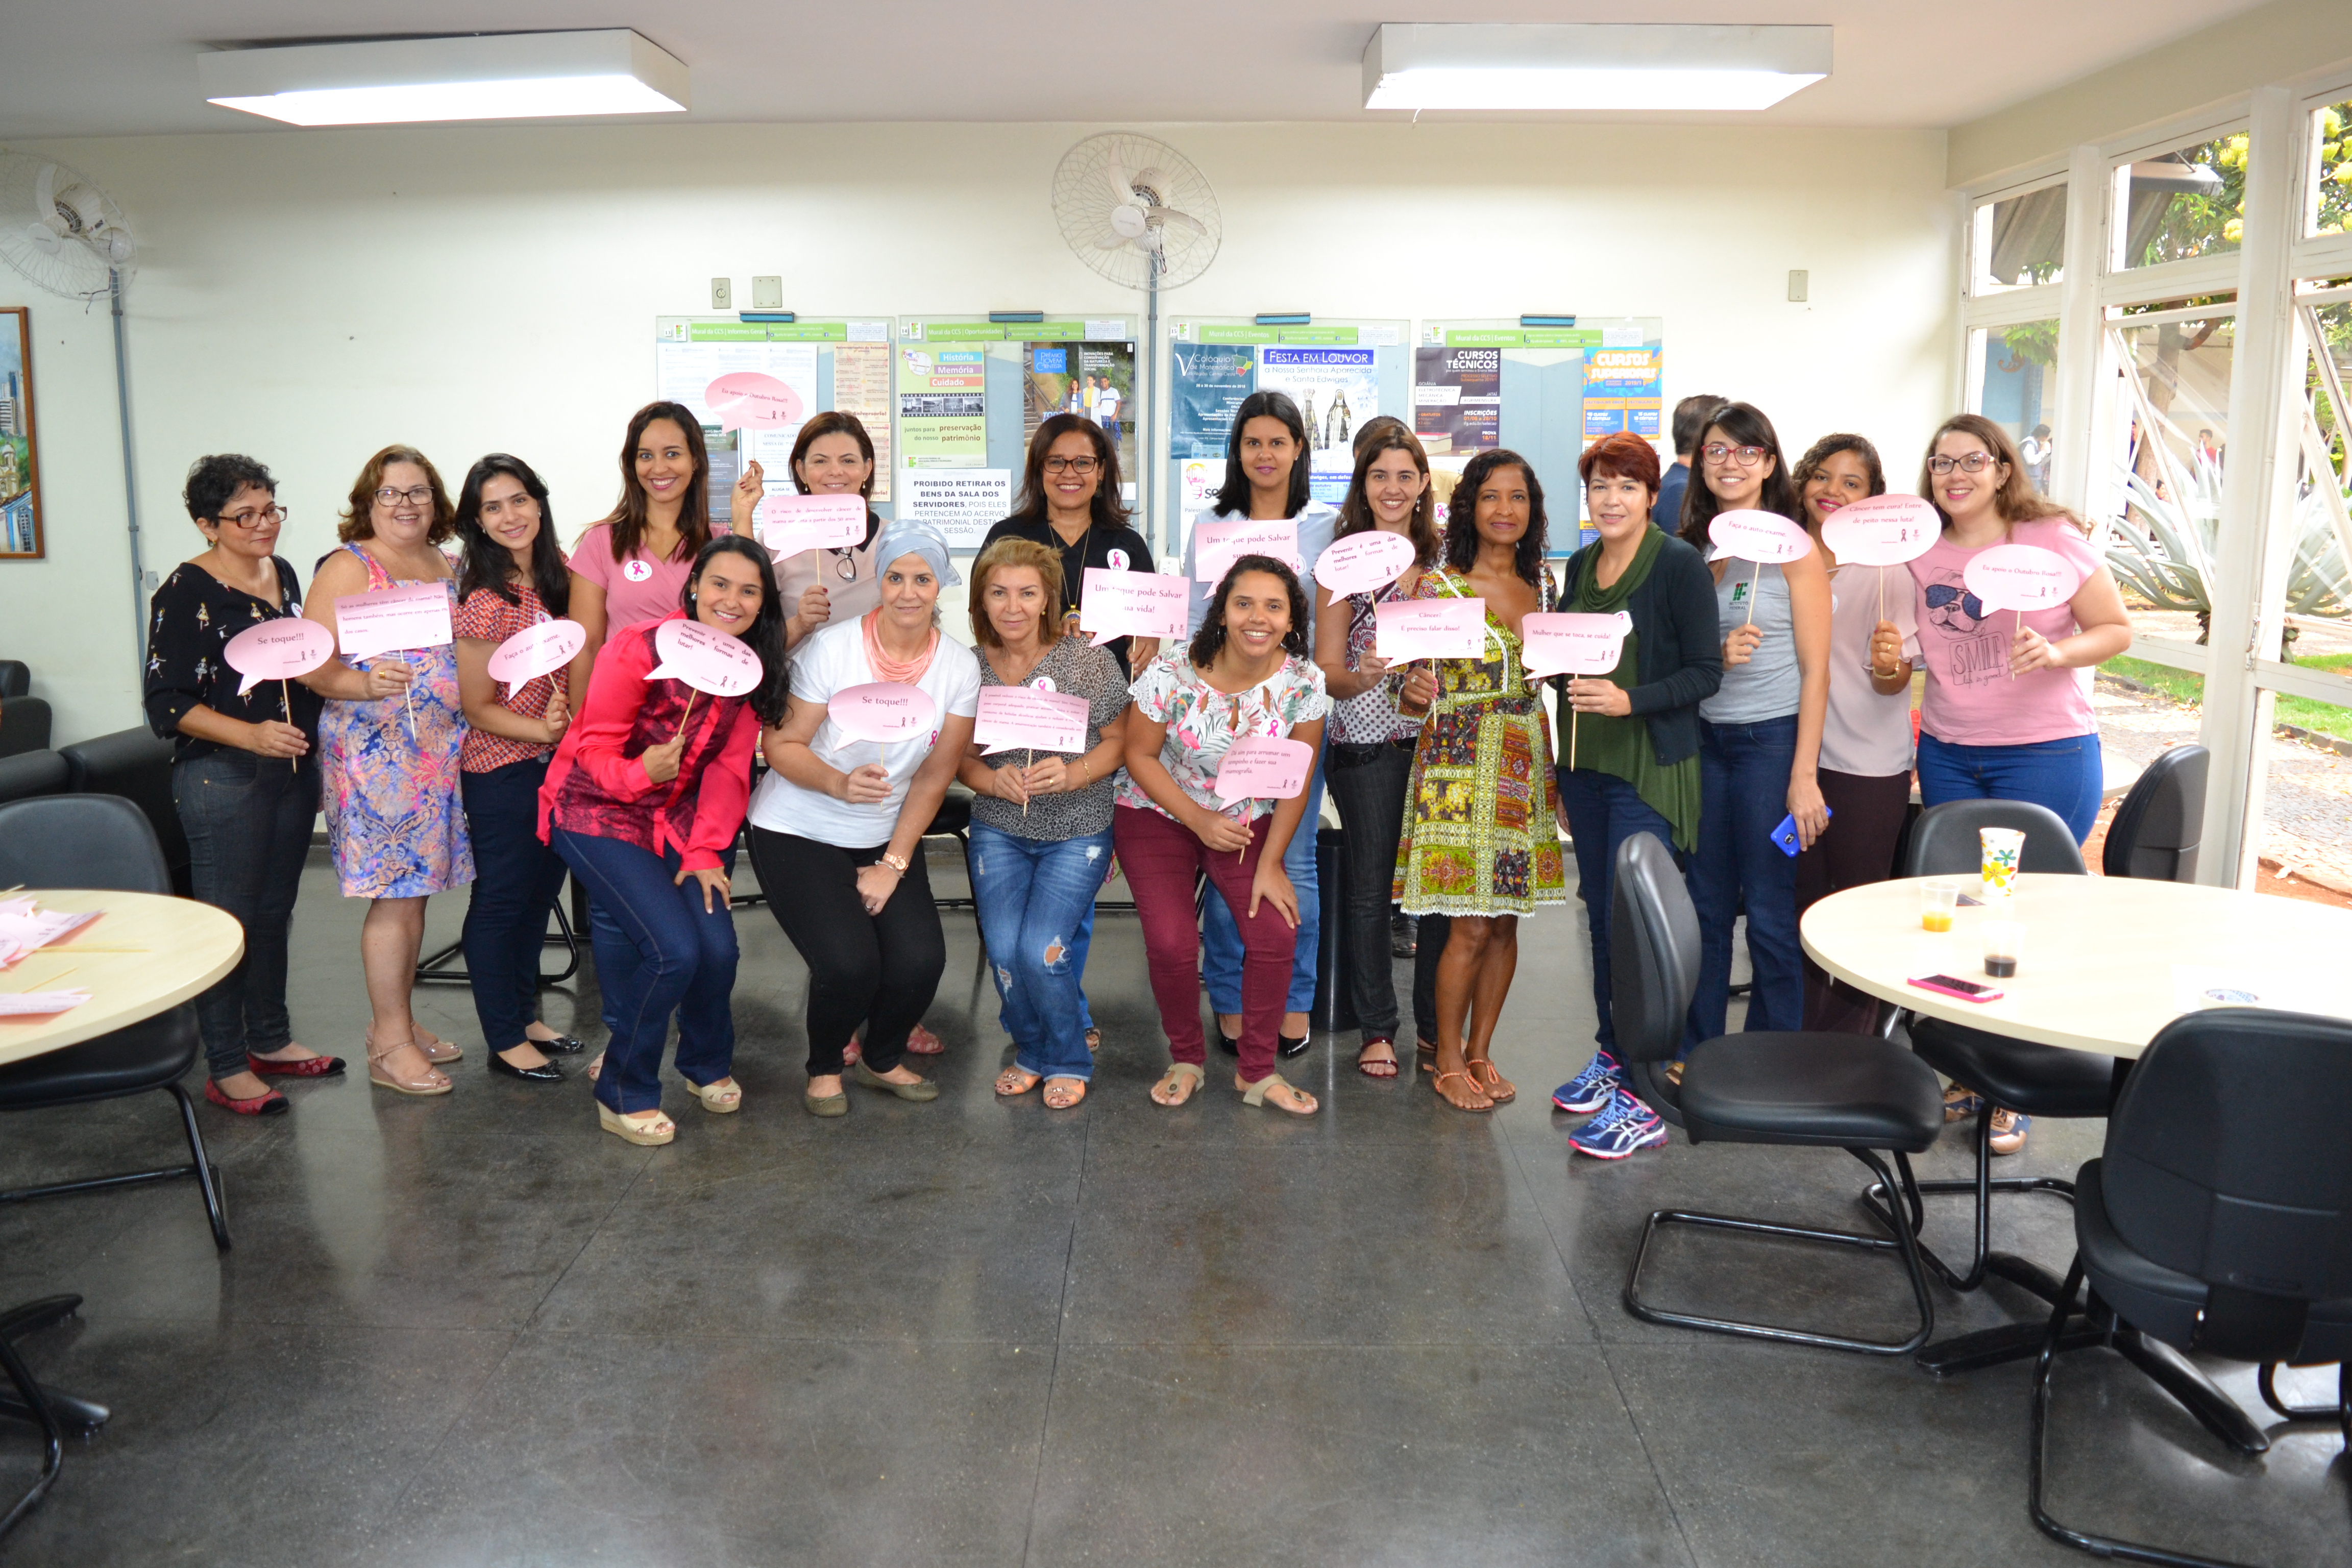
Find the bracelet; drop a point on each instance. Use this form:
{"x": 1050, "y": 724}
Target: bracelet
{"x": 1089, "y": 769}
{"x": 895, "y": 862}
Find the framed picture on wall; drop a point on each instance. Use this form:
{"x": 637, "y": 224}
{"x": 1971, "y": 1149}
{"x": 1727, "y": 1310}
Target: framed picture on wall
{"x": 20, "y": 485}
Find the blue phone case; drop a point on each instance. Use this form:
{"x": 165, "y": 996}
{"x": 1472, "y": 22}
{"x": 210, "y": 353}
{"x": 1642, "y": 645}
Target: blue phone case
{"x": 1785, "y": 835}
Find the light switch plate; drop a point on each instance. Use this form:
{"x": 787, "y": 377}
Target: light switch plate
{"x": 767, "y": 293}
{"x": 722, "y": 293}
{"x": 1800, "y": 284}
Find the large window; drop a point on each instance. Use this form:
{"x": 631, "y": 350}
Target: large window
{"x": 2013, "y": 371}
{"x": 2020, "y": 242}
{"x": 2329, "y": 208}
{"x": 2183, "y": 203}
{"x": 2169, "y": 449}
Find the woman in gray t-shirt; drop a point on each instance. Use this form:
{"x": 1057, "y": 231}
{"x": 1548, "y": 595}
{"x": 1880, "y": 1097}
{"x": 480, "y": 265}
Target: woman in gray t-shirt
{"x": 1040, "y": 822}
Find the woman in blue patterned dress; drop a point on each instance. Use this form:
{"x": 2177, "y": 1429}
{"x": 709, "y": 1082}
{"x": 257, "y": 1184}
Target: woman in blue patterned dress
{"x": 388, "y": 743}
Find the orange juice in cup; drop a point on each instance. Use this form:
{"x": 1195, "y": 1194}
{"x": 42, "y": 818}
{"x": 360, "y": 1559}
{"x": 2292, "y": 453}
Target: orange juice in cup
{"x": 1936, "y": 902}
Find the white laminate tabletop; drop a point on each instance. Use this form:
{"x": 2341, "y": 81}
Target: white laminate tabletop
{"x": 149, "y": 952}
{"x": 2104, "y": 958}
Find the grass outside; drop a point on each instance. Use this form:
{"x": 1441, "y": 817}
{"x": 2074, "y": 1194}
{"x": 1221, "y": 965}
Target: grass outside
{"x": 2181, "y": 686}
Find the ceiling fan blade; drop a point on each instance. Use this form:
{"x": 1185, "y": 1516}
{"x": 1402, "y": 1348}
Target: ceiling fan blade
{"x": 1181, "y": 220}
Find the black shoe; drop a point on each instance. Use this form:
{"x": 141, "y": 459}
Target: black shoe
{"x": 1227, "y": 1044}
{"x": 546, "y": 1072}
{"x": 1289, "y": 1048}
{"x": 1405, "y": 936}
{"x": 563, "y": 1045}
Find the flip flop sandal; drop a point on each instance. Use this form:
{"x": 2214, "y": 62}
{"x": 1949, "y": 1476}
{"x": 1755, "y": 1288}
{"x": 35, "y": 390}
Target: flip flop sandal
{"x": 1181, "y": 1081}
{"x": 1440, "y": 1086}
{"x": 1062, "y": 1093}
{"x": 1493, "y": 1085}
{"x": 1961, "y": 1103}
{"x": 1255, "y": 1094}
{"x": 1012, "y": 1082}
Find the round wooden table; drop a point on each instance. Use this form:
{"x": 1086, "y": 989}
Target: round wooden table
{"x": 149, "y": 952}
{"x": 2097, "y": 971}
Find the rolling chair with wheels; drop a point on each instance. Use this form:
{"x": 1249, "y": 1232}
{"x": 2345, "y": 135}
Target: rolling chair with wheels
{"x": 103, "y": 841}
{"x": 2218, "y": 1219}
{"x": 1800, "y": 1088}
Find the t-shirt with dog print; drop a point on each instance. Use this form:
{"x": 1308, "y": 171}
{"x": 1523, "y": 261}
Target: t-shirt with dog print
{"x": 1971, "y": 700}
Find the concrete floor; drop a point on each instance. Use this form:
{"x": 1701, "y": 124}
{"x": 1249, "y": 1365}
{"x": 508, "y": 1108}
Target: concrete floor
{"x": 477, "y": 1331}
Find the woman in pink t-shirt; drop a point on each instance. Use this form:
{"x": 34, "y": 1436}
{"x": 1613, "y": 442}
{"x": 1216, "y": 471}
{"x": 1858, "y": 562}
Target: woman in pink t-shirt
{"x": 633, "y": 566}
{"x": 2007, "y": 712}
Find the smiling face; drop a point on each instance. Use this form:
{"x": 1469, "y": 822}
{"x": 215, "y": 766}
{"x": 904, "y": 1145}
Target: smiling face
{"x": 1393, "y": 486}
{"x": 1016, "y": 603}
{"x": 909, "y": 591}
{"x": 1257, "y": 615}
{"x": 1072, "y": 472}
{"x": 1966, "y": 497}
{"x": 835, "y": 465}
{"x": 1619, "y": 505}
{"x": 727, "y": 594}
{"x": 1502, "y": 507}
{"x": 509, "y": 516}
{"x": 664, "y": 463}
{"x": 1734, "y": 473}
{"x": 1842, "y": 480}
{"x": 1267, "y": 452}
{"x": 402, "y": 511}
{"x": 248, "y": 525}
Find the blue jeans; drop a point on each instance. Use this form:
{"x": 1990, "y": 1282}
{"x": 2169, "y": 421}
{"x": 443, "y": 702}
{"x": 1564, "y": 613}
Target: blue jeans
{"x": 249, "y": 824}
{"x": 2066, "y": 775}
{"x": 516, "y": 880}
{"x": 1744, "y": 794}
{"x": 1033, "y": 894}
{"x": 659, "y": 951}
{"x": 1604, "y": 811}
{"x": 1221, "y": 940}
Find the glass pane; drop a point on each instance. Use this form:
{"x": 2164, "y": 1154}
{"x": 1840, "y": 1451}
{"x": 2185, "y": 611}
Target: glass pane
{"x": 2330, "y": 208}
{"x": 2170, "y": 446}
{"x": 2181, "y": 204}
{"x": 2305, "y": 843}
{"x": 2021, "y": 241}
{"x": 2017, "y": 388}
{"x": 2319, "y": 577}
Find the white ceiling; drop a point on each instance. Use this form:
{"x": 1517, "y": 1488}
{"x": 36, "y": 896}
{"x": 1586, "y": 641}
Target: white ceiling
{"x": 106, "y": 67}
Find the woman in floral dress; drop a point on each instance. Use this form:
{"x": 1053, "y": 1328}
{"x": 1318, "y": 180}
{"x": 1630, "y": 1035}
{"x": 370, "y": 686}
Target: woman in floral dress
{"x": 388, "y": 745}
{"x": 1478, "y": 843}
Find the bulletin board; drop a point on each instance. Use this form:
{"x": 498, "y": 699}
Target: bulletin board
{"x": 830, "y": 363}
{"x": 970, "y": 392}
{"x": 1546, "y": 393}
{"x": 1340, "y": 371}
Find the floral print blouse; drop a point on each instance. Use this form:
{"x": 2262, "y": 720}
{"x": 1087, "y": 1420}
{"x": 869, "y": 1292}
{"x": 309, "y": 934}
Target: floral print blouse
{"x": 1203, "y": 721}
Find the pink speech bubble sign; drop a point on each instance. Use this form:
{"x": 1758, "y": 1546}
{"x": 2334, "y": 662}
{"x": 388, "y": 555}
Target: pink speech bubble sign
{"x": 1573, "y": 642}
{"x": 752, "y": 399}
{"x": 788, "y": 524}
{"x": 710, "y": 661}
{"x": 278, "y": 650}
{"x": 1114, "y": 604}
{"x": 1363, "y": 563}
{"x": 1263, "y": 767}
{"x": 2020, "y": 577}
{"x": 883, "y": 711}
{"x": 1764, "y": 537}
{"x": 1025, "y": 718}
{"x": 1430, "y": 629}
{"x": 1217, "y": 545}
{"x": 411, "y": 615}
{"x": 536, "y": 650}
{"x": 1882, "y": 530}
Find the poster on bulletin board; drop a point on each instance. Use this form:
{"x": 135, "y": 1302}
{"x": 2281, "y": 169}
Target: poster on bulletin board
{"x": 818, "y": 365}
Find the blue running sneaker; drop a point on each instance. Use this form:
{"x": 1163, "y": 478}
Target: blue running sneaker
{"x": 1592, "y": 1089}
{"x": 1624, "y": 1125}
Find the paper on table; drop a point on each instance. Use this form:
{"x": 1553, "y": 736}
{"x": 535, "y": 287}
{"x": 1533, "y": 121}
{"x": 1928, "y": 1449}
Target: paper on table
{"x": 26, "y": 929}
{"x": 1027, "y": 717}
{"x": 408, "y": 616}
{"x": 39, "y": 1003}
{"x": 1133, "y": 605}
{"x": 2197, "y": 987}
{"x": 1430, "y": 629}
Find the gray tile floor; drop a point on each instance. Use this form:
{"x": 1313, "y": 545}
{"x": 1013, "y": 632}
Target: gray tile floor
{"x": 477, "y": 1331}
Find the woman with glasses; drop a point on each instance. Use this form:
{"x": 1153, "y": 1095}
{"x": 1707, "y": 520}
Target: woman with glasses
{"x": 1069, "y": 503}
{"x": 388, "y": 745}
{"x": 832, "y": 456}
{"x": 245, "y": 790}
{"x": 1865, "y": 772}
{"x": 1759, "y": 735}
{"x": 2007, "y": 710}
{"x": 513, "y": 578}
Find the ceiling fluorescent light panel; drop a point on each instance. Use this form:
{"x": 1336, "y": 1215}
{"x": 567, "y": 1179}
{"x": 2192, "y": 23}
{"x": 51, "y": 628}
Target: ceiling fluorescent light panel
{"x": 1576, "y": 66}
{"x": 510, "y": 76}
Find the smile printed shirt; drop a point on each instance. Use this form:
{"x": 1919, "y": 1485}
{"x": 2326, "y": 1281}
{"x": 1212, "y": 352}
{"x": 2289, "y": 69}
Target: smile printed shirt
{"x": 1970, "y": 700}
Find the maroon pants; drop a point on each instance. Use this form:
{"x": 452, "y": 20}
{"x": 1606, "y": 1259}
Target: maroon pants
{"x": 1865, "y": 822}
{"x": 1162, "y": 860}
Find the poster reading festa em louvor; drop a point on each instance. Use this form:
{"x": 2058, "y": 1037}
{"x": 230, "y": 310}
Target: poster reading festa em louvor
{"x": 1336, "y": 389}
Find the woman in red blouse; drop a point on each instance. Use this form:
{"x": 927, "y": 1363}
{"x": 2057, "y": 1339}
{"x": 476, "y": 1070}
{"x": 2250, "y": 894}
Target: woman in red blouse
{"x": 643, "y": 801}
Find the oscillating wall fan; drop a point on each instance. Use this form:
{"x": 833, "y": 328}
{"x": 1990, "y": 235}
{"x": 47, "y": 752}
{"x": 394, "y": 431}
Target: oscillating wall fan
{"x": 1137, "y": 211}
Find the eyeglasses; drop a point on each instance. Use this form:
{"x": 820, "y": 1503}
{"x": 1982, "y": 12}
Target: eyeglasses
{"x": 267, "y": 514}
{"x": 1939, "y": 594}
{"x": 1081, "y": 466}
{"x": 415, "y": 495}
{"x": 843, "y": 562}
{"x": 1974, "y": 463}
{"x": 1746, "y": 457}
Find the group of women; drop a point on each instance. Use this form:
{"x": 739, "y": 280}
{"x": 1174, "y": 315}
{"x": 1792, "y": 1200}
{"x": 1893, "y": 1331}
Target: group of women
{"x": 1739, "y": 694}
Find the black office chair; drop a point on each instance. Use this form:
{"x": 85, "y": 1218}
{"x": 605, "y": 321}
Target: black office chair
{"x": 29, "y": 1403}
{"x": 2219, "y": 1219}
{"x": 15, "y": 677}
{"x": 24, "y": 725}
{"x": 28, "y": 774}
{"x": 2040, "y": 1080}
{"x": 953, "y": 820}
{"x": 2156, "y": 830}
{"x": 101, "y": 841}
{"x": 137, "y": 765}
{"x": 1813, "y": 1090}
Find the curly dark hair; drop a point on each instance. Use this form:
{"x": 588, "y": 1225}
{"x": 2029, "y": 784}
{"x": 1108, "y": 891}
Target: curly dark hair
{"x": 1211, "y": 635}
{"x": 214, "y": 482}
{"x": 1462, "y": 512}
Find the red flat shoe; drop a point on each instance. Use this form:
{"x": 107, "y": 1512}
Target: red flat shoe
{"x": 270, "y": 1104}
{"x": 921, "y": 1042}
{"x": 308, "y": 1066}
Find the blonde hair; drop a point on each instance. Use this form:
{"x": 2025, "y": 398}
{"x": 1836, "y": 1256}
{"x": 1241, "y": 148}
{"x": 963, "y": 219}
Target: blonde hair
{"x": 1017, "y": 552}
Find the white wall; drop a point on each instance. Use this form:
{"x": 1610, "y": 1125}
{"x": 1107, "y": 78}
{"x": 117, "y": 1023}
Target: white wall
{"x": 308, "y": 296}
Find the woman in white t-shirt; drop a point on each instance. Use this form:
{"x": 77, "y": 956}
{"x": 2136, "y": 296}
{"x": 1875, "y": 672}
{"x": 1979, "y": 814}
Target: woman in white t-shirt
{"x": 838, "y": 825}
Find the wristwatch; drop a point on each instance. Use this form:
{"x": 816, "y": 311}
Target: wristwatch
{"x": 895, "y": 862}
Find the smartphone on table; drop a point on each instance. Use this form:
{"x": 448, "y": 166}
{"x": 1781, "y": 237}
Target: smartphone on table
{"x": 1953, "y": 986}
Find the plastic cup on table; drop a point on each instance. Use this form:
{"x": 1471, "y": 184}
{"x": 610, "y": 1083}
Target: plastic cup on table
{"x": 1936, "y": 902}
{"x": 2000, "y": 847}
{"x": 2003, "y": 941}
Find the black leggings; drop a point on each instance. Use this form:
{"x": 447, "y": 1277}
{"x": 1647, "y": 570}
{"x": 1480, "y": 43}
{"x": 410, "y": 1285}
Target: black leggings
{"x": 880, "y": 970}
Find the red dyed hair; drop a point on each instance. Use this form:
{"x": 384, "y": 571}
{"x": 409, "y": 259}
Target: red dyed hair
{"x": 1620, "y": 457}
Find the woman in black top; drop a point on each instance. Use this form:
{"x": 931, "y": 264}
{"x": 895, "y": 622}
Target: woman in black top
{"x": 245, "y": 792}
{"x": 1069, "y": 501}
